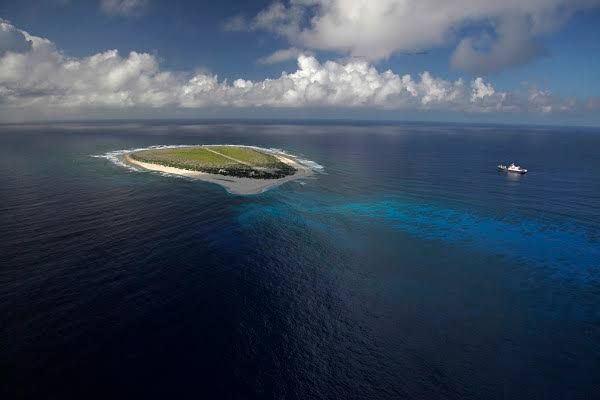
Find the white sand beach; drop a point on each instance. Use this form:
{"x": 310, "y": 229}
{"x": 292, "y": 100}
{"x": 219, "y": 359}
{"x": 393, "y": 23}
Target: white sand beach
{"x": 234, "y": 185}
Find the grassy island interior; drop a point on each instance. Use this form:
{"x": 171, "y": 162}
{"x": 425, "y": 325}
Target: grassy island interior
{"x": 223, "y": 160}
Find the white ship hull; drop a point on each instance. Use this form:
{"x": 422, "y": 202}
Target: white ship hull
{"x": 512, "y": 169}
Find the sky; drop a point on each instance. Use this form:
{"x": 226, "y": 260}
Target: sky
{"x": 509, "y": 61}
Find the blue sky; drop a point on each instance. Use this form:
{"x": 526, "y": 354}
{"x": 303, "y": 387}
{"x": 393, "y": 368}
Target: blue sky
{"x": 188, "y": 37}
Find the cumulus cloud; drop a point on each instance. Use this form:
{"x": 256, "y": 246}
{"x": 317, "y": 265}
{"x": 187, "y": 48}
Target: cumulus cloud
{"x": 123, "y": 7}
{"x": 11, "y": 39}
{"x": 377, "y": 29}
{"x": 44, "y": 77}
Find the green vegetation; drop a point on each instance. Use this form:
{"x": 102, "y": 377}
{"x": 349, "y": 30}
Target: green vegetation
{"x": 223, "y": 160}
{"x": 248, "y": 155}
{"x": 192, "y": 158}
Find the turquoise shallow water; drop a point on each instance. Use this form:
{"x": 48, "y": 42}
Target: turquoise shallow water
{"x": 563, "y": 249}
{"x": 407, "y": 266}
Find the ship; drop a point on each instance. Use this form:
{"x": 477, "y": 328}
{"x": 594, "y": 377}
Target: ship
{"x": 512, "y": 168}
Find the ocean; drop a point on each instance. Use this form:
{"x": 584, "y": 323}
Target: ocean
{"x": 406, "y": 267}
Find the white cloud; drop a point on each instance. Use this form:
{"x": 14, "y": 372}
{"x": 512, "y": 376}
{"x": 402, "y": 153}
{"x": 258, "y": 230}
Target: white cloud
{"x": 481, "y": 90}
{"x": 44, "y": 77}
{"x": 12, "y": 39}
{"x": 377, "y": 29}
{"x": 123, "y": 7}
{"x": 514, "y": 45}
{"x": 281, "y": 56}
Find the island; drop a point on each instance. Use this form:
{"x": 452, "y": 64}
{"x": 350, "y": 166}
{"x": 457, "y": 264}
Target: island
{"x": 239, "y": 169}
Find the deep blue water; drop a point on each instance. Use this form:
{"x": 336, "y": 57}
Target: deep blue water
{"x": 407, "y": 268}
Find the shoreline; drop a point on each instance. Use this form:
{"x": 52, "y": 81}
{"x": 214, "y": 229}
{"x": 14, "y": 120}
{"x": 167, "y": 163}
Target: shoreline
{"x": 234, "y": 185}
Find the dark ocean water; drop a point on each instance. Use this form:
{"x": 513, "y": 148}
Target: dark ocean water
{"x": 407, "y": 268}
